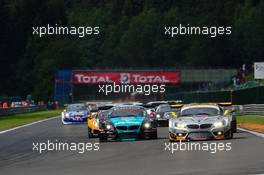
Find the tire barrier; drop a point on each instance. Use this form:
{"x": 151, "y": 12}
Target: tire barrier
{"x": 237, "y": 97}
{"x": 249, "y": 109}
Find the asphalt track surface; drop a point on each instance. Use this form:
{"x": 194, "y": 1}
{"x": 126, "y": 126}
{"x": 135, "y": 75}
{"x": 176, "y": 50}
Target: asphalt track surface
{"x": 137, "y": 157}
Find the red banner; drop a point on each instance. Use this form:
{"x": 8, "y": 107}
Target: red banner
{"x": 141, "y": 77}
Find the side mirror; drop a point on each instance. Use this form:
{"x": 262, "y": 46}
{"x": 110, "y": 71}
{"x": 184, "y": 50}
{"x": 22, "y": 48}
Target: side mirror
{"x": 89, "y": 116}
{"x": 173, "y": 114}
{"x": 227, "y": 112}
{"x": 92, "y": 115}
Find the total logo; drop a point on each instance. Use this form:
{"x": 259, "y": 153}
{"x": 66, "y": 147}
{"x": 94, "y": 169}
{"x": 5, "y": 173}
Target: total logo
{"x": 93, "y": 79}
{"x": 126, "y": 78}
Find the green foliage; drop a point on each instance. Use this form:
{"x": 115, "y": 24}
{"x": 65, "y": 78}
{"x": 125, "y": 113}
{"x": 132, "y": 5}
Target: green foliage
{"x": 132, "y": 35}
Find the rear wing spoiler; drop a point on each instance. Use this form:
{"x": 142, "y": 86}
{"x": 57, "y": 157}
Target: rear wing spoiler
{"x": 176, "y": 106}
{"x": 224, "y": 104}
{"x": 105, "y": 107}
{"x": 146, "y": 106}
{"x": 227, "y": 106}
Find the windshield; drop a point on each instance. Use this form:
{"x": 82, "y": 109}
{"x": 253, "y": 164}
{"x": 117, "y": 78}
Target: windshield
{"x": 164, "y": 108}
{"x": 76, "y": 108}
{"x": 102, "y": 114}
{"x": 128, "y": 112}
{"x": 200, "y": 111}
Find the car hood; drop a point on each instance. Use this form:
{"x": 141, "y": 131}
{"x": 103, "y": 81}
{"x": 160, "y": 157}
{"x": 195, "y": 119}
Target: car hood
{"x": 127, "y": 121}
{"x": 77, "y": 112}
{"x": 199, "y": 119}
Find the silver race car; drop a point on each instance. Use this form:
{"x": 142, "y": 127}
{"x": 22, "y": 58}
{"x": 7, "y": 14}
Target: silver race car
{"x": 200, "y": 122}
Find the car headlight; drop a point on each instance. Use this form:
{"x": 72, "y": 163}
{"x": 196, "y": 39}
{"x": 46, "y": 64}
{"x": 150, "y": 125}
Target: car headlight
{"x": 219, "y": 124}
{"x": 147, "y": 125}
{"x": 96, "y": 124}
{"x": 158, "y": 115}
{"x": 67, "y": 115}
{"x": 170, "y": 124}
{"x": 108, "y": 126}
{"x": 180, "y": 125}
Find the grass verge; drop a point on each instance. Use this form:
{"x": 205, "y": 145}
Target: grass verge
{"x": 251, "y": 122}
{"x": 254, "y": 119}
{"x": 7, "y": 122}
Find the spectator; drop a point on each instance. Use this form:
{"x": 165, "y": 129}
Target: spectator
{"x": 234, "y": 79}
{"x": 12, "y": 105}
{"x": 57, "y": 105}
{"x": 243, "y": 72}
{"x": 237, "y": 81}
{"x": 1, "y": 106}
{"x": 5, "y": 105}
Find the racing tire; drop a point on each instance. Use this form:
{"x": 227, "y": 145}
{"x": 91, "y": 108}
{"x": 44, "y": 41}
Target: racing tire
{"x": 102, "y": 138}
{"x": 229, "y": 134}
{"x": 234, "y": 126}
{"x": 154, "y": 135}
{"x": 90, "y": 134}
{"x": 170, "y": 140}
{"x": 62, "y": 121}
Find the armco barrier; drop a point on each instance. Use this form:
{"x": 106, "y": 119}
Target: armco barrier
{"x": 21, "y": 110}
{"x": 249, "y": 109}
{"x": 237, "y": 97}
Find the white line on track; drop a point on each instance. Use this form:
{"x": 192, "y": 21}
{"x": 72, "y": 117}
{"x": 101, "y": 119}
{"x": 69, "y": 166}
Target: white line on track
{"x": 22, "y": 126}
{"x": 252, "y": 132}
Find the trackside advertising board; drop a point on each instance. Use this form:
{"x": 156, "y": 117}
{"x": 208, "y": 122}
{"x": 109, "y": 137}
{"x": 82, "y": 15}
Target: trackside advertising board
{"x": 259, "y": 70}
{"x": 133, "y": 77}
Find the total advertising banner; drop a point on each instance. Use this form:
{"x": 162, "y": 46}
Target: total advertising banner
{"x": 141, "y": 77}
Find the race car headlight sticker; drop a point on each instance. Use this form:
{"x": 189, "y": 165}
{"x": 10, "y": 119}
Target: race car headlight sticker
{"x": 158, "y": 116}
{"x": 219, "y": 124}
{"x": 147, "y": 125}
{"x": 180, "y": 125}
{"x": 67, "y": 115}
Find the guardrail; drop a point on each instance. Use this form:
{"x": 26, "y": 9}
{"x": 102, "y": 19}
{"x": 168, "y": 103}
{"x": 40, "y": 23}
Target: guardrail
{"x": 21, "y": 110}
{"x": 250, "y": 109}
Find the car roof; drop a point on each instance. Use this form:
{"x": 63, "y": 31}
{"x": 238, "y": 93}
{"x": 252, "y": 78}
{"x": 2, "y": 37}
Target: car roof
{"x": 77, "y": 104}
{"x": 127, "y": 106}
{"x": 193, "y": 105}
{"x": 164, "y": 105}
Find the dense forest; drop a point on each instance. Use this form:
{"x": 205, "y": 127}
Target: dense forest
{"x": 131, "y": 36}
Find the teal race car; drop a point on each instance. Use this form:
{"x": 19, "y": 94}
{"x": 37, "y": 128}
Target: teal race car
{"x": 127, "y": 123}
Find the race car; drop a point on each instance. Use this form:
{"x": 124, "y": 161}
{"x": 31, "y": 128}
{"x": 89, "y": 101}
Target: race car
{"x": 127, "y": 123}
{"x": 75, "y": 114}
{"x": 155, "y": 104}
{"x": 162, "y": 114}
{"x": 93, "y": 123}
{"x": 200, "y": 122}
